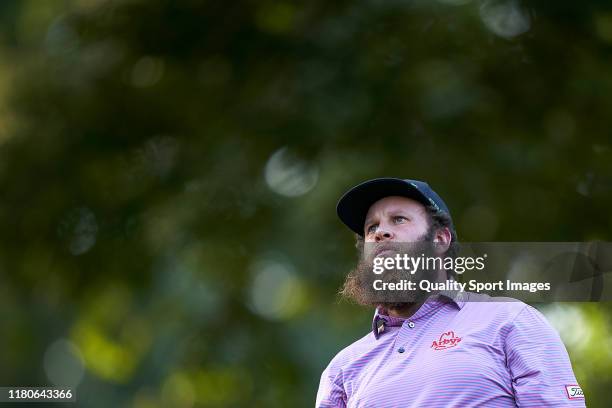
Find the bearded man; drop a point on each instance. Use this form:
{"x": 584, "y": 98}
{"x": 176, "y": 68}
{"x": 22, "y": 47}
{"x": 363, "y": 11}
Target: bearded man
{"x": 446, "y": 349}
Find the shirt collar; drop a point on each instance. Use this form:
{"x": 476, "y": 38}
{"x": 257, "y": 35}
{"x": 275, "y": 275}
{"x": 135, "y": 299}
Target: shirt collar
{"x": 381, "y": 318}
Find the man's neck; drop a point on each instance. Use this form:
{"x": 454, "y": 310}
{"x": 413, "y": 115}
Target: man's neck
{"x": 408, "y": 309}
{"x": 405, "y": 311}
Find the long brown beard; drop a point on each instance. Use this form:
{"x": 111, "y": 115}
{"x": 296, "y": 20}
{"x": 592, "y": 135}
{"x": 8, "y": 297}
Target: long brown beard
{"x": 356, "y": 287}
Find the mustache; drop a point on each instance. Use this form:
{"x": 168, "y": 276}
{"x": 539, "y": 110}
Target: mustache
{"x": 375, "y": 249}
{"x": 393, "y": 249}
{"x": 386, "y": 246}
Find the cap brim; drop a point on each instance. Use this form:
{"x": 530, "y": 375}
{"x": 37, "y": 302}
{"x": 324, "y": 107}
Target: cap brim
{"x": 353, "y": 206}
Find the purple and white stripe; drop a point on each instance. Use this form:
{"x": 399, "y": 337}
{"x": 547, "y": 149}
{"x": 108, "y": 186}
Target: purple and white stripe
{"x": 454, "y": 352}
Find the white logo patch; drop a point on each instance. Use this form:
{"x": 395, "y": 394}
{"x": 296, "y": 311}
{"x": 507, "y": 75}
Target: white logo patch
{"x": 574, "y": 392}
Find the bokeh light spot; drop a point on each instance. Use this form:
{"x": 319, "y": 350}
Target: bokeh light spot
{"x": 79, "y": 229}
{"x": 276, "y": 291}
{"x": 505, "y": 18}
{"x": 146, "y": 72}
{"x": 288, "y": 175}
{"x": 63, "y": 363}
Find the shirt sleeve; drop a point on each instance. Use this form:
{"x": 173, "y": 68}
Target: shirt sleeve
{"x": 538, "y": 362}
{"x": 331, "y": 391}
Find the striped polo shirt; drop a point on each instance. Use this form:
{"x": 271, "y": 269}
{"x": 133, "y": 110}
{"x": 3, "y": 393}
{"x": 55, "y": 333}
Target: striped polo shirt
{"x": 458, "y": 350}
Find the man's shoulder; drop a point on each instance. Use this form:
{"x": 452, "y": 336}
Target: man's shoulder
{"x": 507, "y": 310}
{"x": 352, "y": 351}
{"x": 496, "y": 307}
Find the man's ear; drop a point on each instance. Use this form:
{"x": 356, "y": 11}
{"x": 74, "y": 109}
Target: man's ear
{"x": 442, "y": 240}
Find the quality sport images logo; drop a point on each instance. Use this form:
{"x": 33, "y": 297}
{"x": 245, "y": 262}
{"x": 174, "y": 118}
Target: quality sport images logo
{"x": 446, "y": 340}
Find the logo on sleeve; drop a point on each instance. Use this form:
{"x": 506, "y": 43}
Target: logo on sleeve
{"x": 446, "y": 340}
{"x": 574, "y": 392}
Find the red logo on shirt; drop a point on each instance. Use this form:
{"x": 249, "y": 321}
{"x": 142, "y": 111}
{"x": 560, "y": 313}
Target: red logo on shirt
{"x": 446, "y": 340}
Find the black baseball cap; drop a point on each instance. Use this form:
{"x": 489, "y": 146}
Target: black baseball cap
{"x": 355, "y": 203}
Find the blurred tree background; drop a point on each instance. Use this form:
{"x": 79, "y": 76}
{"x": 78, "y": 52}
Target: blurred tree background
{"x": 169, "y": 172}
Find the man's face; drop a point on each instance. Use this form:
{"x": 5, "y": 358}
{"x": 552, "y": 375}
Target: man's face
{"x": 395, "y": 219}
{"x": 390, "y": 222}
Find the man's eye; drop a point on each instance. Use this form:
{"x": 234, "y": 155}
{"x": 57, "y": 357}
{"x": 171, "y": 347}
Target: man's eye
{"x": 399, "y": 219}
{"x": 372, "y": 228}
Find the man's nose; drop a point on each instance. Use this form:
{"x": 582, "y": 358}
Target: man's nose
{"x": 383, "y": 234}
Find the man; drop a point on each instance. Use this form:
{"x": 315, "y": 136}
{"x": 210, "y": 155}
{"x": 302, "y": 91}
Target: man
{"x": 445, "y": 350}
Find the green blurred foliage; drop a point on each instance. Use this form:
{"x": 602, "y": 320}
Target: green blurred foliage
{"x": 169, "y": 171}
